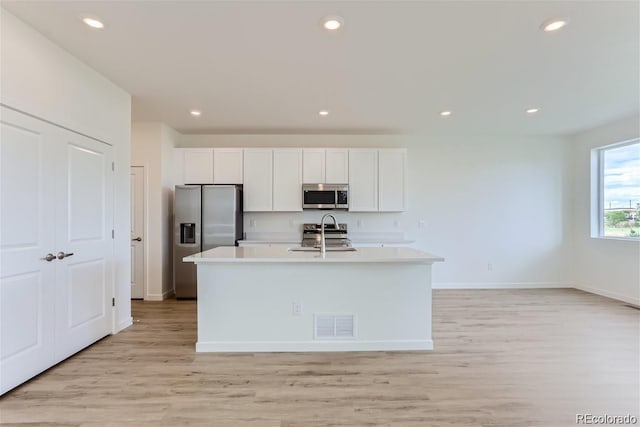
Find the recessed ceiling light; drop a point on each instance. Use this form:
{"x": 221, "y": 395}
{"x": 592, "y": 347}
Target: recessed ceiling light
{"x": 323, "y": 113}
{"x": 195, "y": 113}
{"x": 532, "y": 110}
{"x": 332, "y": 23}
{"x": 445, "y": 113}
{"x": 553, "y": 25}
{"x": 93, "y": 22}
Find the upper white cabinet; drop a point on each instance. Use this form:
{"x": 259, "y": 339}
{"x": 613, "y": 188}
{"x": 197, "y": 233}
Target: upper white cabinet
{"x": 227, "y": 166}
{"x": 272, "y": 179}
{"x": 392, "y": 180}
{"x": 337, "y": 165}
{"x": 363, "y": 180}
{"x": 287, "y": 179}
{"x": 258, "y": 179}
{"x": 212, "y": 165}
{"x": 198, "y": 165}
{"x": 325, "y": 166}
{"x": 378, "y": 180}
{"x": 313, "y": 166}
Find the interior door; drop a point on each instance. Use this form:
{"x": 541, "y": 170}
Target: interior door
{"x": 27, "y": 235}
{"x": 84, "y": 240}
{"x": 137, "y": 232}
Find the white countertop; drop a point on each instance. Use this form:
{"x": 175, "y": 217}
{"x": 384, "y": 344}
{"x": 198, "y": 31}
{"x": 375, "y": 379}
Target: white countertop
{"x": 289, "y": 241}
{"x": 266, "y": 254}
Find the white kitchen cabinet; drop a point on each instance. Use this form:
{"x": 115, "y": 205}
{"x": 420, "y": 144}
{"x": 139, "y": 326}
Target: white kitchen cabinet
{"x": 227, "y": 166}
{"x": 272, "y": 179}
{"x": 325, "y": 166}
{"x": 258, "y": 179}
{"x": 198, "y": 165}
{"x": 313, "y": 167}
{"x": 392, "y": 180}
{"x": 287, "y": 179}
{"x": 363, "y": 180}
{"x": 378, "y": 180}
{"x": 336, "y": 166}
{"x": 57, "y": 247}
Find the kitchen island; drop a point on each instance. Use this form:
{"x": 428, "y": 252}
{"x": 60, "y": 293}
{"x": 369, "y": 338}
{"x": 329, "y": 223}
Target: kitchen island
{"x": 273, "y": 299}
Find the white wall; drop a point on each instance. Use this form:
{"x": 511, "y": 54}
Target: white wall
{"x": 485, "y": 200}
{"x": 169, "y": 140}
{"x": 41, "y": 79}
{"x": 609, "y": 267}
{"x": 498, "y": 201}
{"x": 152, "y": 147}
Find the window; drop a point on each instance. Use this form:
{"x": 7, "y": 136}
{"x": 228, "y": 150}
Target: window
{"x": 618, "y": 190}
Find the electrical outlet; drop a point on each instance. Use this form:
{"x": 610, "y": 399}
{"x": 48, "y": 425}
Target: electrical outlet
{"x": 489, "y": 267}
{"x": 360, "y": 223}
{"x": 291, "y": 223}
{"x": 296, "y": 308}
{"x": 396, "y": 223}
{"x": 421, "y": 223}
{"x": 252, "y": 223}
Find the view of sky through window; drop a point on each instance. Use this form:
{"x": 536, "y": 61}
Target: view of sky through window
{"x": 622, "y": 177}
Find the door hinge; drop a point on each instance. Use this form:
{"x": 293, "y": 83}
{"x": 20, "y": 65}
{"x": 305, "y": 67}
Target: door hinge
{"x": 113, "y": 166}
{"x": 113, "y": 233}
{"x": 113, "y": 302}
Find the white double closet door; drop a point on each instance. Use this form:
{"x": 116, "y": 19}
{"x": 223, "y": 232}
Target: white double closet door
{"x": 56, "y": 245}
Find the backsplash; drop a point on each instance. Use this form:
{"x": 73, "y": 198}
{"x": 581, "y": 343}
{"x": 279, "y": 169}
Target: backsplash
{"x": 288, "y": 225}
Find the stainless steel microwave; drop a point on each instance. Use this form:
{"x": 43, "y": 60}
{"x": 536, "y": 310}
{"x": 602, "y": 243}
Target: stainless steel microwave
{"x": 325, "y": 196}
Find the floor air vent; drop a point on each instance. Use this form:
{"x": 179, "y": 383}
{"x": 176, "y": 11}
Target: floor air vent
{"x": 334, "y": 326}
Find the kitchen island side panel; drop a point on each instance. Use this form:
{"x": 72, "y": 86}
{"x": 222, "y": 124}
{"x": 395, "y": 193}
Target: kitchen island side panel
{"x": 250, "y": 306}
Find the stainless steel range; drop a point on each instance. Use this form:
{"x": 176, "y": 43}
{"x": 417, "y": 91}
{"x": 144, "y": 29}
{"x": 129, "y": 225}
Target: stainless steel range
{"x": 334, "y": 237}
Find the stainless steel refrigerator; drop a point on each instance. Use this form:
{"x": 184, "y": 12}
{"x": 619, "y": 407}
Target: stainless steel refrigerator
{"x": 205, "y": 217}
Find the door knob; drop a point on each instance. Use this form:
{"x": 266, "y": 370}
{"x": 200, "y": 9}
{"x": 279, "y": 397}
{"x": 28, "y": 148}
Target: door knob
{"x": 62, "y": 255}
{"x": 49, "y": 257}
{"x": 137, "y": 239}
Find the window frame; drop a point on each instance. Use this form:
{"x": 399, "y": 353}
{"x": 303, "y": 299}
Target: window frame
{"x": 597, "y": 190}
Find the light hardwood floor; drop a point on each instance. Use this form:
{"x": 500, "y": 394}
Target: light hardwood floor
{"x": 502, "y": 358}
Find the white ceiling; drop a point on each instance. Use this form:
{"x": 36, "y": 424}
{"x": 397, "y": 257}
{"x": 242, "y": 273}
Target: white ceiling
{"x": 268, "y": 67}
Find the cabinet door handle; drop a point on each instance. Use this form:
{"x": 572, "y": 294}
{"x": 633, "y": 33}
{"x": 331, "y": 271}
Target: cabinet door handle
{"x": 62, "y": 255}
{"x": 49, "y": 257}
{"x": 137, "y": 239}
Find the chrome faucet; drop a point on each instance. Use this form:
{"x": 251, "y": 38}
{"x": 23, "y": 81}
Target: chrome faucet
{"x": 323, "y": 247}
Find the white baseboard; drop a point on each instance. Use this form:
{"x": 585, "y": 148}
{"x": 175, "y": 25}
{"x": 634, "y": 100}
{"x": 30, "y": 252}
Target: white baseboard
{"x": 159, "y": 297}
{"x": 535, "y": 285}
{"x": 305, "y": 346}
{"x": 609, "y": 294}
{"x": 123, "y": 325}
{"x": 500, "y": 285}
